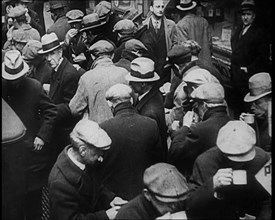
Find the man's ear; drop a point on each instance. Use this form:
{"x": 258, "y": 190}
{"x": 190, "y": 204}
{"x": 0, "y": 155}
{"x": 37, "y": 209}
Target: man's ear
{"x": 82, "y": 150}
{"x": 151, "y": 8}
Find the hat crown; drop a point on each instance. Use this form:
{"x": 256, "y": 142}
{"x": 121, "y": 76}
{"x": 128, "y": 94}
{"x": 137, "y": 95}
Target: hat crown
{"x": 259, "y": 84}
{"x": 209, "y": 92}
{"x": 74, "y": 14}
{"x": 236, "y": 138}
{"x": 166, "y": 182}
{"x": 49, "y": 38}
{"x": 101, "y": 46}
{"x": 103, "y": 8}
{"x": 125, "y": 25}
{"x": 199, "y": 76}
{"x": 30, "y": 51}
{"x": 134, "y": 45}
{"x": 143, "y": 65}
{"x": 89, "y": 132}
{"x": 17, "y": 11}
{"x": 90, "y": 18}
{"x": 248, "y": 2}
{"x": 13, "y": 59}
{"x": 185, "y": 1}
{"x": 54, "y": 4}
{"x": 119, "y": 91}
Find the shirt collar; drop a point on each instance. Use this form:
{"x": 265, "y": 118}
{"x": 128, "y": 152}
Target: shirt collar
{"x": 77, "y": 163}
{"x": 144, "y": 94}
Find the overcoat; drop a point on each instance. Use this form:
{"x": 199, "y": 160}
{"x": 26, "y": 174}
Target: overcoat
{"x": 38, "y": 114}
{"x": 75, "y": 193}
{"x": 236, "y": 200}
{"x": 188, "y": 143}
{"x": 136, "y": 145}
{"x": 60, "y": 27}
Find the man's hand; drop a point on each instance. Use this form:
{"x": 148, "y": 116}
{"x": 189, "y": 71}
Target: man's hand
{"x": 117, "y": 201}
{"x": 223, "y": 177}
{"x": 38, "y": 143}
{"x": 188, "y": 119}
{"x": 69, "y": 35}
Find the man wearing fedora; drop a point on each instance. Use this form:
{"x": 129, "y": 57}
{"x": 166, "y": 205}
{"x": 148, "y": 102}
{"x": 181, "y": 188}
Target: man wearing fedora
{"x": 250, "y": 55}
{"x": 136, "y": 144}
{"x": 223, "y": 183}
{"x": 60, "y": 26}
{"x": 149, "y": 101}
{"x": 63, "y": 85}
{"x": 193, "y": 138}
{"x": 90, "y": 95}
{"x": 159, "y": 31}
{"x": 165, "y": 191}
{"x": 32, "y": 105}
{"x": 75, "y": 192}
{"x": 259, "y": 96}
{"x": 133, "y": 48}
{"x": 194, "y": 27}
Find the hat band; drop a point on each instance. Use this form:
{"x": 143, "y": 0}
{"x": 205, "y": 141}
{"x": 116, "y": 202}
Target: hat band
{"x": 16, "y": 70}
{"x": 91, "y": 24}
{"x": 142, "y": 76}
{"x": 259, "y": 91}
{"x": 186, "y": 5}
{"x": 165, "y": 196}
{"x": 51, "y": 45}
{"x": 239, "y": 155}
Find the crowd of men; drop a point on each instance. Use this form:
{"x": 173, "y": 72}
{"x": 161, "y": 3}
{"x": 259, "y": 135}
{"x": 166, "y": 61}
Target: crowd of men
{"x": 128, "y": 118}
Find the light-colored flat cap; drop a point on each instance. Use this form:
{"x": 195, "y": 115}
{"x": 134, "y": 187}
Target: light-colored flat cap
{"x": 74, "y": 15}
{"x": 103, "y": 9}
{"x": 125, "y": 27}
{"x": 30, "y": 51}
{"x": 237, "y": 140}
{"x": 90, "y": 133}
{"x": 209, "y": 92}
{"x": 101, "y": 47}
{"x": 17, "y": 11}
{"x": 118, "y": 92}
{"x": 135, "y": 45}
{"x": 199, "y": 76}
{"x": 166, "y": 183}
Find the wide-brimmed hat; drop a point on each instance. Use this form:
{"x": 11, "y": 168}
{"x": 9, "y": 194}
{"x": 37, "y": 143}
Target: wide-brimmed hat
{"x": 236, "y": 139}
{"x": 91, "y": 21}
{"x": 185, "y": 5}
{"x": 91, "y": 133}
{"x": 259, "y": 86}
{"x": 49, "y": 42}
{"x": 142, "y": 70}
{"x": 74, "y": 15}
{"x": 166, "y": 183}
{"x": 247, "y": 5}
{"x": 209, "y": 92}
{"x": 103, "y": 9}
{"x": 125, "y": 27}
{"x": 13, "y": 66}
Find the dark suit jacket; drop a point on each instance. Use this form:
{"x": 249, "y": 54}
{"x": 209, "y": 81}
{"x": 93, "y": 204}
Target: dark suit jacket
{"x": 136, "y": 145}
{"x": 60, "y": 27}
{"x": 64, "y": 84}
{"x": 152, "y": 106}
{"x": 38, "y": 114}
{"x": 74, "y": 193}
{"x": 237, "y": 200}
{"x": 188, "y": 143}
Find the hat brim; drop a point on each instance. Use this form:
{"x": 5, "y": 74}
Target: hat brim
{"x": 8, "y": 76}
{"x": 194, "y": 4}
{"x": 74, "y": 21}
{"x": 246, "y": 157}
{"x": 129, "y": 77}
{"x": 249, "y": 98}
{"x": 93, "y": 27}
{"x": 41, "y": 51}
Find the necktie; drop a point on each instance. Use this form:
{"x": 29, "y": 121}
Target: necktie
{"x": 156, "y": 26}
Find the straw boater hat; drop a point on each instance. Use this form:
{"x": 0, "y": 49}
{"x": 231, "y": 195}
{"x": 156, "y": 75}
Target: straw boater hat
{"x": 142, "y": 70}
{"x": 185, "y": 5}
{"x": 49, "y": 42}
{"x": 91, "y": 21}
{"x": 236, "y": 139}
{"x": 259, "y": 86}
{"x": 13, "y": 66}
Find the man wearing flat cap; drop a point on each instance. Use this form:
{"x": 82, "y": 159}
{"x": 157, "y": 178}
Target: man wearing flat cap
{"x": 136, "y": 144}
{"x": 132, "y": 49}
{"x": 110, "y": 17}
{"x": 60, "y": 26}
{"x": 260, "y": 100}
{"x": 63, "y": 84}
{"x": 250, "y": 55}
{"x": 38, "y": 113}
{"x": 223, "y": 183}
{"x": 90, "y": 95}
{"x": 149, "y": 102}
{"x": 74, "y": 190}
{"x": 165, "y": 192}
{"x": 192, "y": 139}
{"x": 126, "y": 30}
